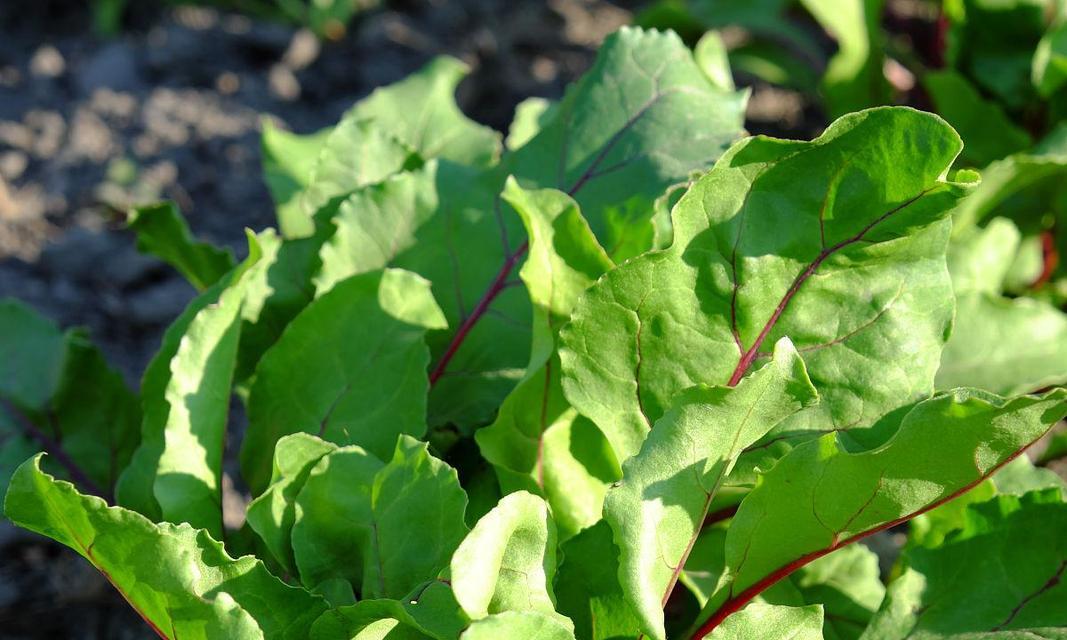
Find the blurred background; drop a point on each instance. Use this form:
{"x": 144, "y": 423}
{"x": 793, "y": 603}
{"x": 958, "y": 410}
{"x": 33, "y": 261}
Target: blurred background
{"x": 109, "y": 103}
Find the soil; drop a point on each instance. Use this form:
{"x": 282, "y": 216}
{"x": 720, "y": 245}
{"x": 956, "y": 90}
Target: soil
{"x": 171, "y": 109}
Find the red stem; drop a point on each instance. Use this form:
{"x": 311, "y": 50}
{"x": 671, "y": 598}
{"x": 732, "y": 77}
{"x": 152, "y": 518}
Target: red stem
{"x": 500, "y": 282}
{"x": 52, "y": 448}
{"x": 738, "y": 602}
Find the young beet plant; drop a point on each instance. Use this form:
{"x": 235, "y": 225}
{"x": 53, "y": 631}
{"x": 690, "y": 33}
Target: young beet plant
{"x": 696, "y": 367}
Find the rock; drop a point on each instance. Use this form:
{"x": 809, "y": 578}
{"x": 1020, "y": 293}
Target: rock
{"x": 114, "y": 67}
{"x": 47, "y": 62}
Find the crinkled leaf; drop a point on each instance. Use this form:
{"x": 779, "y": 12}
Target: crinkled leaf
{"x": 538, "y": 443}
{"x": 1002, "y": 345}
{"x": 421, "y": 112}
{"x": 820, "y": 496}
{"x": 385, "y": 529}
{"x": 288, "y": 163}
{"x": 658, "y": 509}
{"x": 529, "y": 625}
{"x": 58, "y": 394}
{"x": 988, "y": 134}
{"x": 178, "y": 578}
{"x": 162, "y": 231}
{"x": 350, "y": 369}
{"x": 835, "y": 243}
{"x": 508, "y": 560}
{"x": 175, "y": 474}
{"x": 273, "y": 513}
{"x": 1010, "y": 558}
{"x": 772, "y": 622}
{"x": 356, "y": 153}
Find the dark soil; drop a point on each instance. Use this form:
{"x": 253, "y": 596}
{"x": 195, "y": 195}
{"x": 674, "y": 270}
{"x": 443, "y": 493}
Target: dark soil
{"x": 171, "y": 109}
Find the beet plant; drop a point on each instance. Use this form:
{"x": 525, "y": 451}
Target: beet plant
{"x": 628, "y": 373}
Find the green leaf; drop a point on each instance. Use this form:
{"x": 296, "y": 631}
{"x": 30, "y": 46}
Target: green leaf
{"x": 58, "y": 394}
{"x": 854, "y": 79}
{"x": 288, "y": 163}
{"x": 529, "y": 625}
{"x": 1049, "y": 71}
{"x": 179, "y": 579}
{"x": 375, "y": 224}
{"x": 772, "y": 622}
{"x": 508, "y": 560}
{"x": 993, "y": 42}
{"x": 658, "y": 509}
{"x": 175, "y": 474}
{"x": 162, "y": 231}
{"x": 988, "y": 134}
{"x": 1003, "y": 345}
{"x": 384, "y": 529}
{"x": 588, "y": 587}
{"x": 356, "y": 153}
{"x": 430, "y": 610}
{"x": 835, "y": 243}
{"x": 538, "y": 443}
{"x": 710, "y": 54}
{"x": 421, "y": 112}
{"x": 273, "y": 513}
{"x": 1011, "y": 559}
{"x": 821, "y": 496}
{"x": 640, "y": 120}
{"x": 530, "y": 117}
{"x": 350, "y": 369}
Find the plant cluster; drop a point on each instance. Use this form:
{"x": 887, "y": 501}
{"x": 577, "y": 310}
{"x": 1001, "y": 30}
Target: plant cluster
{"x": 625, "y": 373}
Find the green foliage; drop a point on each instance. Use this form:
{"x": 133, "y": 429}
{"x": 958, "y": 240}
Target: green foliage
{"x": 523, "y": 389}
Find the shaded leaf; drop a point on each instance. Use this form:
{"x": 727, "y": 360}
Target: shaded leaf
{"x": 385, "y": 529}
{"x": 854, "y": 79}
{"x": 162, "y": 231}
{"x": 988, "y": 134}
{"x": 658, "y": 509}
{"x": 820, "y": 496}
{"x": 350, "y": 369}
{"x": 179, "y": 579}
{"x": 1010, "y": 557}
{"x": 772, "y": 622}
{"x": 430, "y": 610}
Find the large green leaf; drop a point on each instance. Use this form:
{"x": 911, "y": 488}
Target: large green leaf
{"x": 772, "y": 622}
{"x": 508, "y": 560}
{"x": 538, "y": 443}
{"x": 528, "y": 625}
{"x": 1002, "y": 345}
{"x": 421, "y": 112}
{"x": 175, "y": 474}
{"x": 846, "y": 583}
{"x": 350, "y": 369}
{"x": 385, "y": 529}
{"x": 822, "y": 496}
{"x": 1010, "y": 558}
{"x": 162, "y": 231}
{"x": 178, "y": 578}
{"x": 59, "y": 395}
{"x": 835, "y": 243}
{"x": 658, "y": 509}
